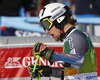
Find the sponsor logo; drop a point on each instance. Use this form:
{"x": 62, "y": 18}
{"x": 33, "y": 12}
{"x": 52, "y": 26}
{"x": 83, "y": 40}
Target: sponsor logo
{"x": 91, "y": 77}
{"x": 43, "y": 46}
{"x": 71, "y": 45}
{"x": 73, "y": 51}
{"x": 55, "y": 9}
{"x": 21, "y": 33}
{"x": 58, "y": 14}
{"x": 13, "y": 62}
{"x": 18, "y": 62}
{"x": 53, "y": 17}
{"x": 83, "y": 76}
{"x": 43, "y": 11}
{"x": 60, "y": 19}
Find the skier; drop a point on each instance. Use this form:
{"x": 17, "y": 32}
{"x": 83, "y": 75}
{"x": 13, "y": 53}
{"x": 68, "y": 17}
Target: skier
{"x": 57, "y": 21}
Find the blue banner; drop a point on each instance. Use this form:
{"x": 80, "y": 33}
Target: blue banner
{"x": 17, "y": 26}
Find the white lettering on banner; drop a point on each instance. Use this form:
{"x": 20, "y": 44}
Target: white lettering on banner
{"x": 42, "y": 61}
{"x": 15, "y": 63}
{"x": 33, "y": 60}
{"x": 21, "y": 33}
{"x": 45, "y": 62}
{"x": 24, "y": 61}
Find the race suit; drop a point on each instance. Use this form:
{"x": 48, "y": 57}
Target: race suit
{"x": 78, "y": 42}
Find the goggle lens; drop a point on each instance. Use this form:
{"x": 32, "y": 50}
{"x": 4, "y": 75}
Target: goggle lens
{"x": 46, "y": 24}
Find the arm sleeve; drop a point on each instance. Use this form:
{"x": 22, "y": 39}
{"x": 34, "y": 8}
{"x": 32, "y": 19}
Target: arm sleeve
{"x": 78, "y": 43}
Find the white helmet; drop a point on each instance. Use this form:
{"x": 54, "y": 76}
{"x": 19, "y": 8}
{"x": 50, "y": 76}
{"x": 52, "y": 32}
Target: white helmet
{"x": 54, "y": 14}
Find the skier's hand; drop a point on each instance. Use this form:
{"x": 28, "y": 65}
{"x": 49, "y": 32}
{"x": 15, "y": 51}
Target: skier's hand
{"x": 42, "y": 50}
{"x": 40, "y": 70}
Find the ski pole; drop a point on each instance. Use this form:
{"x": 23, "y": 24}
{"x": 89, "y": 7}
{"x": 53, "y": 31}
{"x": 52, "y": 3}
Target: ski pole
{"x": 37, "y": 57}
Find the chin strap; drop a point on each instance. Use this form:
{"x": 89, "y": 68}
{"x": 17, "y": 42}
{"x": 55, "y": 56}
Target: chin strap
{"x": 61, "y": 35}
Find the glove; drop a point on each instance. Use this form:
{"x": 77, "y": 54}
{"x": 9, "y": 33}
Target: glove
{"x": 42, "y": 50}
{"x": 40, "y": 70}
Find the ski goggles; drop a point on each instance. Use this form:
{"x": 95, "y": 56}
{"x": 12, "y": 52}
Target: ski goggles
{"x": 46, "y": 24}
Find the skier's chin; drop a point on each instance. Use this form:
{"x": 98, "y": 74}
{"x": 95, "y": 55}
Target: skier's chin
{"x": 56, "y": 39}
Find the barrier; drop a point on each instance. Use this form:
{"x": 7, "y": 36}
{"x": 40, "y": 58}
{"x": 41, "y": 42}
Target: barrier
{"x": 14, "y": 61}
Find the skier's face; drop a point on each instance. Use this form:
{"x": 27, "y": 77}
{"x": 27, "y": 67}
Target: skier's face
{"x": 54, "y": 32}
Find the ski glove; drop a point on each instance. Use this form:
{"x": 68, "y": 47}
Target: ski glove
{"x": 40, "y": 70}
{"x": 42, "y": 50}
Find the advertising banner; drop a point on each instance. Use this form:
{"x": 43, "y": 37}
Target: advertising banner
{"x": 14, "y": 62}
